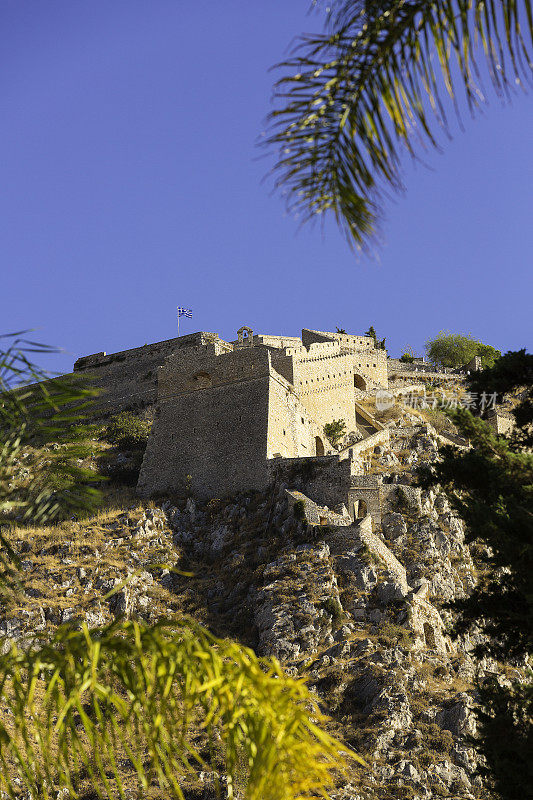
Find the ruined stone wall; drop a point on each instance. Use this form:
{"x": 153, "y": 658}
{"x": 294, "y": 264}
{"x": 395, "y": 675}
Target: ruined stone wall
{"x": 502, "y": 422}
{"x": 395, "y": 365}
{"x": 400, "y": 372}
{"x": 353, "y": 451}
{"x": 211, "y": 424}
{"x": 378, "y": 547}
{"x": 326, "y": 479}
{"x": 128, "y": 379}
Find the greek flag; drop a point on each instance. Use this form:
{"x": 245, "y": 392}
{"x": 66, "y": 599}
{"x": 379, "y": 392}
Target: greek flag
{"x": 184, "y": 312}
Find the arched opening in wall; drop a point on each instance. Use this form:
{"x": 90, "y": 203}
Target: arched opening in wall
{"x": 201, "y": 380}
{"x": 245, "y": 336}
{"x": 360, "y": 509}
{"x": 359, "y": 383}
{"x": 319, "y": 446}
{"x": 429, "y": 636}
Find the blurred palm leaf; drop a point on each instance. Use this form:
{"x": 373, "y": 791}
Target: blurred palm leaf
{"x": 354, "y": 99}
{"x": 91, "y": 707}
{"x": 38, "y": 411}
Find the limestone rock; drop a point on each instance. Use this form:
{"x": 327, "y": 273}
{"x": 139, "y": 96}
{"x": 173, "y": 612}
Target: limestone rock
{"x": 393, "y": 525}
{"x": 457, "y": 716}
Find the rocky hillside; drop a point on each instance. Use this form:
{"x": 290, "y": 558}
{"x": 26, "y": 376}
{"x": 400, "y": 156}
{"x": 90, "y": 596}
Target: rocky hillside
{"x": 358, "y": 612}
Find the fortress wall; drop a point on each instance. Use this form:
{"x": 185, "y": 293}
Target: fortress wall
{"x": 309, "y": 337}
{"x": 344, "y": 339}
{"x": 323, "y": 379}
{"x": 128, "y": 379}
{"x": 368, "y": 361}
{"x": 283, "y": 364}
{"x": 277, "y": 341}
{"x": 217, "y": 435}
{"x": 191, "y": 370}
{"x": 372, "y": 364}
{"x": 291, "y": 432}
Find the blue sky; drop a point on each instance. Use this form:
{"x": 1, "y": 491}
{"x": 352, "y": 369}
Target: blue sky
{"x": 130, "y": 183}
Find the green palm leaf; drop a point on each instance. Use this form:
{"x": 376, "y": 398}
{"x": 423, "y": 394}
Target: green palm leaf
{"x": 354, "y": 100}
{"x": 156, "y": 705}
{"x": 36, "y": 411}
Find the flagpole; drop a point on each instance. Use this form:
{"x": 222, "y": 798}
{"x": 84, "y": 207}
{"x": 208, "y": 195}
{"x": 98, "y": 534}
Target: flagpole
{"x": 183, "y": 312}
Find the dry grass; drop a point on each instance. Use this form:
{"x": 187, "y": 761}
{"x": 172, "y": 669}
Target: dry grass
{"x": 388, "y": 414}
{"x": 73, "y": 564}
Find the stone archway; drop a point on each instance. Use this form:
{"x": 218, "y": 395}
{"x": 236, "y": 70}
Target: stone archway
{"x": 360, "y": 509}
{"x": 359, "y": 382}
{"x": 319, "y": 446}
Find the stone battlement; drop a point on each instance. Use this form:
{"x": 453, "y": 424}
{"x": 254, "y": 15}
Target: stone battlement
{"x": 225, "y": 409}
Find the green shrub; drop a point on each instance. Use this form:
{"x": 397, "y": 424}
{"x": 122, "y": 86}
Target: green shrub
{"x": 401, "y": 499}
{"x": 391, "y": 635}
{"x": 455, "y": 350}
{"x": 335, "y": 431}
{"x": 127, "y": 432}
{"x": 333, "y": 607}
{"x": 439, "y": 743}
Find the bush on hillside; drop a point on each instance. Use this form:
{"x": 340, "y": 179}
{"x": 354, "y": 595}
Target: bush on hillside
{"x": 127, "y": 432}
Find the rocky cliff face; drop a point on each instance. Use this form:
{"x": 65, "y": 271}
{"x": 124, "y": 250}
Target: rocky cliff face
{"x": 359, "y": 613}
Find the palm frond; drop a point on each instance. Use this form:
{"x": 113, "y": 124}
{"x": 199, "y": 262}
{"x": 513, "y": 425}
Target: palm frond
{"x": 158, "y": 704}
{"x": 40, "y": 411}
{"x": 352, "y": 101}
{"x": 43, "y": 415}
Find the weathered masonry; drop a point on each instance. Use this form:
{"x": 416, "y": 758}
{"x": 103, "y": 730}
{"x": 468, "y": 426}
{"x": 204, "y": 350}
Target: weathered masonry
{"x": 128, "y": 379}
{"x": 225, "y": 409}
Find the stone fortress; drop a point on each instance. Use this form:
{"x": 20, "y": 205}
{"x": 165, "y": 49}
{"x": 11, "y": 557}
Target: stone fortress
{"x": 233, "y": 417}
{"x": 224, "y": 410}
{"x": 236, "y": 416}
